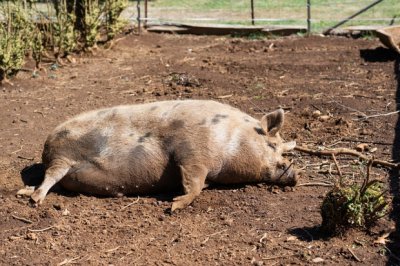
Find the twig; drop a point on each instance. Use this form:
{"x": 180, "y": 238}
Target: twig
{"x": 347, "y": 107}
{"x": 315, "y": 184}
{"x": 354, "y": 255}
{"x": 278, "y": 257}
{"x": 25, "y": 158}
{"x": 366, "y": 179}
{"x": 130, "y": 204}
{"x": 377, "y": 115}
{"x": 338, "y": 168}
{"x": 41, "y": 230}
{"x": 22, "y": 219}
{"x": 113, "y": 249}
{"x": 263, "y": 237}
{"x": 391, "y": 253}
{"x": 319, "y": 109}
{"x": 224, "y": 96}
{"x": 334, "y": 144}
{"x": 20, "y": 149}
{"x": 345, "y": 151}
{"x": 366, "y": 141}
{"x": 39, "y": 112}
{"x": 255, "y": 105}
{"x": 205, "y": 240}
{"x": 337, "y": 165}
{"x": 67, "y": 261}
{"x": 216, "y": 233}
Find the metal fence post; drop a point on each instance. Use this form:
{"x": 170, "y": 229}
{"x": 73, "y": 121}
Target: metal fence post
{"x": 145, "y": 14}
{"x": 252, "y": 11}
{"x": 138, "y": 14}
{"x": 308, "y": 17}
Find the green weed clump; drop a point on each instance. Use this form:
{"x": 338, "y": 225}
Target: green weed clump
{"x": 353, "y": 206}
{"x": 114, "y": 24}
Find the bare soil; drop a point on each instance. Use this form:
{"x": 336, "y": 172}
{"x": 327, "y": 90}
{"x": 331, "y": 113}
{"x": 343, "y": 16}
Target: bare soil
{"x": 248, "y": 224}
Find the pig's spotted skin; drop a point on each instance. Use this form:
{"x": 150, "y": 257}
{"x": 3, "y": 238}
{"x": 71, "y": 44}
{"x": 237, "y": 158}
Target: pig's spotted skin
{"x": 147, "y": 148}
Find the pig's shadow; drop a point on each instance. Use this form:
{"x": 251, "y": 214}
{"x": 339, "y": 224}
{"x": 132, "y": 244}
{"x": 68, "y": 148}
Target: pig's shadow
{"x": 33, "y": 175}
{"x": 309, "y": 234}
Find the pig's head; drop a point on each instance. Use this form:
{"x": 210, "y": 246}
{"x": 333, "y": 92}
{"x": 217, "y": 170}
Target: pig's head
{"x": 276, "y": 169}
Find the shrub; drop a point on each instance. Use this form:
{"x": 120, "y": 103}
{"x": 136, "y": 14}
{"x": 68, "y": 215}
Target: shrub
{"x": 357, "y": 206}
{"x": 16, "y": 38}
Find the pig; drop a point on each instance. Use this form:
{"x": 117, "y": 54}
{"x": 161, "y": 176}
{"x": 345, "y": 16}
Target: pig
{"x": 163, "y": 146}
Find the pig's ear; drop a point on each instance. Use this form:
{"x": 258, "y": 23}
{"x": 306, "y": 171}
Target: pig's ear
{"x": 272, "y": 122}
{"x": 288, "y": 146}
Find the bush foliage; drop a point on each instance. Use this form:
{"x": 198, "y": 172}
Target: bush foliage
{"x": 65, "y": 26}
{"x": 353, "y": 206}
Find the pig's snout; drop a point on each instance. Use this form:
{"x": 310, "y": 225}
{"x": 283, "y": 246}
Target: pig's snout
{"x": 286, "y": 174}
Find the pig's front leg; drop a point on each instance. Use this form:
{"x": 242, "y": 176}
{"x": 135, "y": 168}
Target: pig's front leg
{"x": 193, "y": 181}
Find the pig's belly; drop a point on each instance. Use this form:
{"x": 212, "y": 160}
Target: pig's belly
{"x": 139, "y": 178}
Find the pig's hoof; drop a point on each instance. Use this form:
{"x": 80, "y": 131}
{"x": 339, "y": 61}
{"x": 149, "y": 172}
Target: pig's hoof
{"x": 37, "y": 197}
{"x": 181, "y": 202}
{"x": 26, "y": 191}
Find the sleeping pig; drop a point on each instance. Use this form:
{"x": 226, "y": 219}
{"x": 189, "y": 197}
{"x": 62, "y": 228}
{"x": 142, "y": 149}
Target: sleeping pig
{"x": 161, "y": 146}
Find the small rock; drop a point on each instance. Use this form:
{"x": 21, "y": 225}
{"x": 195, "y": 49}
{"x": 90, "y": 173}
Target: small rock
{"x": 374, "y": 149}
{"x": 316, "y": 114}
{"x": 323, "y": 118}
{"x": 288, "y": 189}
{"x": 65, "y": 212}
{"x": 57, "y": 206}
{"x": 31, "y": 236}
{"x": 291, "y": 238}
{"x": 318, "y": 260}
{"x": 362, "y": 147}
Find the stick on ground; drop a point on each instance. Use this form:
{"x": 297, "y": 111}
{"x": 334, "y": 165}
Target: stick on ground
{"x": 345, "y": 151}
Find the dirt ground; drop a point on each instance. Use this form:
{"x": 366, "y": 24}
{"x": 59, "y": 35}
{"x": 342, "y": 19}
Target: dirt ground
{"x": 250, "y": 224}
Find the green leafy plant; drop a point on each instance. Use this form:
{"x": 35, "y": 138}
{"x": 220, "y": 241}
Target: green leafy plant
{"x": 16, "y": 38}
{"x": 114, "y": 23}
{"x": 92, "y": 22}
{"x": 65, "y": 37}
{"x": 357, "y": 206}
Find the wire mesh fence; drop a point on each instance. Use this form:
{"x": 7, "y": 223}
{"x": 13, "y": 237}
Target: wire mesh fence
{"x": 323, "y": 13}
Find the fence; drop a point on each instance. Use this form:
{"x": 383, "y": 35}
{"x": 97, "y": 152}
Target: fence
{"x": 323, "y": 13}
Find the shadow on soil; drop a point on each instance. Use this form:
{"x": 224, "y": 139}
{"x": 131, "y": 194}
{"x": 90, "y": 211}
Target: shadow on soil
{"x": 33, "y": 175}
{"x": 393, "y": 248}
{"x": 309, "y": 234}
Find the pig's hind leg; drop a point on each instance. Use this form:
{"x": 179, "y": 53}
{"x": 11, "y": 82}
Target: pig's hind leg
{"x": 54, "y": 173}
{"x": 193, "y": 181}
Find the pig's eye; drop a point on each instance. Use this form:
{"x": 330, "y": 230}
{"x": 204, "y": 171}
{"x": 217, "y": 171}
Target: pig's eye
{"x": 271, "y": 145}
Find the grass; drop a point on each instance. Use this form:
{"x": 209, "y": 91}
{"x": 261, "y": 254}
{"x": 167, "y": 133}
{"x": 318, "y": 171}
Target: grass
{"x": 324, "y": 13}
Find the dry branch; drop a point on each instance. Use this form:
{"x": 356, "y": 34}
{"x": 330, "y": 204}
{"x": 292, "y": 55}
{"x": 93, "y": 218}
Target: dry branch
{"x": 41, "y": 230}
{"x": 354, "y": 255}
{"x": 345, "y": 151}
{"x": 322, "y": 184}
{"x": 130, "y": 204}
{"x": 376, "y": 115}
{"x": 22, "y": 219}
